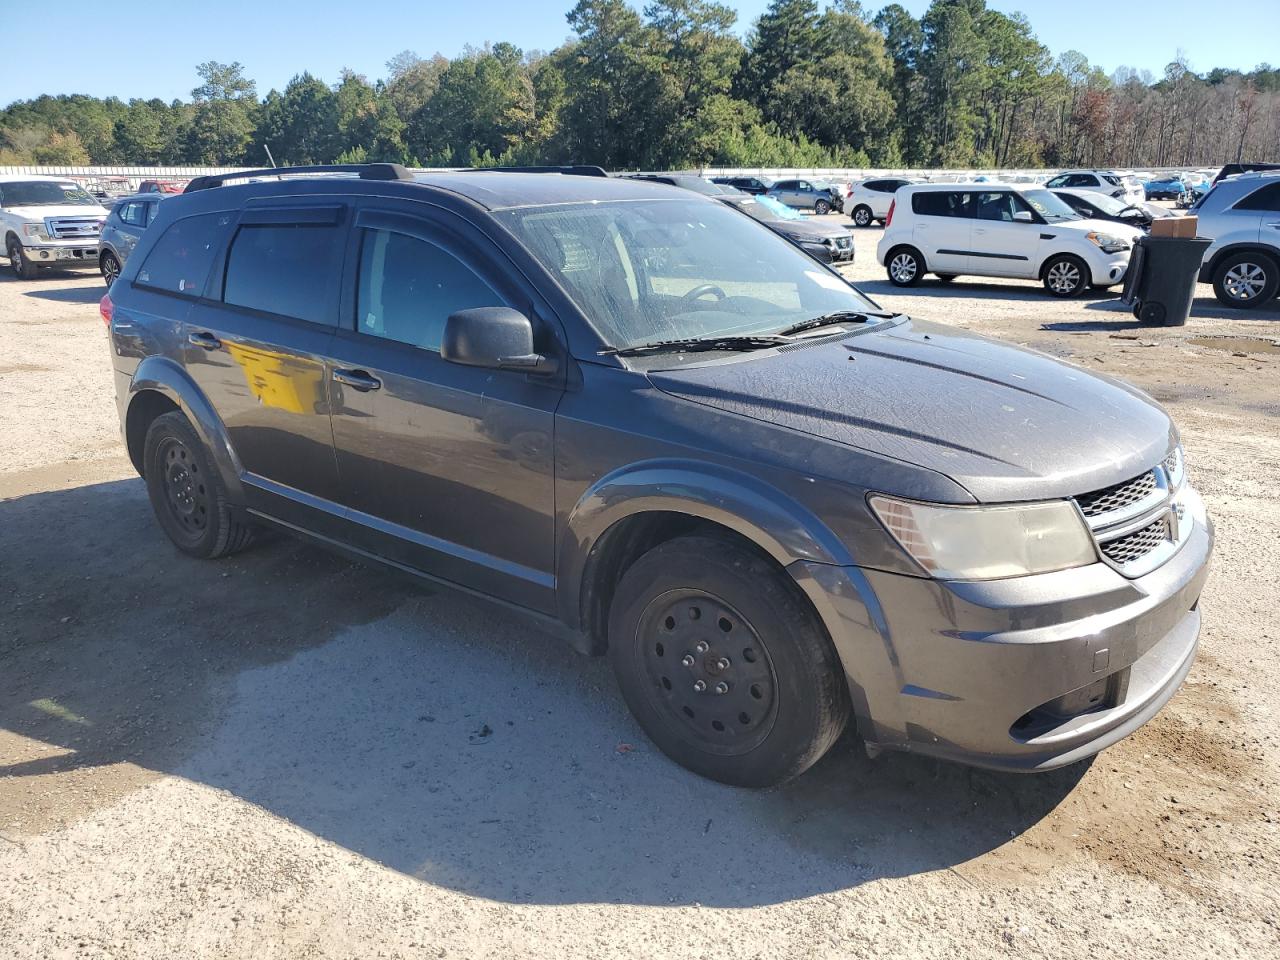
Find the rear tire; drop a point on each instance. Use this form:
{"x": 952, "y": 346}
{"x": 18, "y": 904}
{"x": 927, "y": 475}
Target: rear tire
{"x": 862, "y": 215}
{"x": 724, "y": 663}
{"x": 822, "y": 208}
{"x": 1246, "y": 280}
{"x": 110, "y": 267}
{"x": 22, "y": 267}
{"x": 186, "y": 492}
{"x": 905, "y": 266}
{"x": 1065, "y": 276}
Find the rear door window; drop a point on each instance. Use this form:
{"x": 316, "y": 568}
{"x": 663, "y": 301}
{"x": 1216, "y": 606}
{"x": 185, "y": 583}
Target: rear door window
{"x": 180, "y": 261}
{"x": 287, "y": 269}
{"x": 134, "y": 214}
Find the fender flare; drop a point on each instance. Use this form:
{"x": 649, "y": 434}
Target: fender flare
{"x": 783, "y": 528}
{"x": 162, "y": 375}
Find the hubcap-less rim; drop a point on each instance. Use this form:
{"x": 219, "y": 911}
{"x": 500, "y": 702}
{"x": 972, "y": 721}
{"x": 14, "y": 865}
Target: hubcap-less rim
{"x": 1245, "y": 281}
{"x": 15, "y": 257}
{"x": 903, "y": 267}
{"x": 862, "y": 218}
{"x": 707, "y": 672}
{"x": 110, "y": 270}
{"x": 186, "y": 494}
{"x": 1064, "y": 277}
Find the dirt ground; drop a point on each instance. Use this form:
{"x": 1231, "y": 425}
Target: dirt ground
{"x": 286, "y": 754}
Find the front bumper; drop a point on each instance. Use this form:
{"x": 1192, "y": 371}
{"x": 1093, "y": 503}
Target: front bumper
{"x": 79, "y": 251}
{"x": 1025, "y": 674}
{"x": 1108, "y": 268}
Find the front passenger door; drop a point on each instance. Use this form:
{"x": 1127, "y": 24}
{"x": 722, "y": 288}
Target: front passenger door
{"x": 446, "y": 468}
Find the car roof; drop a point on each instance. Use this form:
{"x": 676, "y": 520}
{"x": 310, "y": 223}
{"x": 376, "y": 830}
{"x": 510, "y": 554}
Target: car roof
{"x": 971, "y": 185}
{"x": 28, "y": 177}
{"x": 1076, "y": 192}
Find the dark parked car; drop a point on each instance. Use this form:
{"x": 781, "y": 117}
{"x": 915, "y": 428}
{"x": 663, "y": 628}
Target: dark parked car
{"x": 752, "y": 185}
{"x": 1093, "y": 205}
{"x": 129, "y": 216}
{"x": 684, "y": 181}
{"x": 657, "y": 425}
{"x": 827, "y": 242}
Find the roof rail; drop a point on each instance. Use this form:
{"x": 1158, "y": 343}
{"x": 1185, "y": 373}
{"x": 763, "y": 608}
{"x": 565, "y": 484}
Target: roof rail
{"x": 366, "y": 171}
{"x": 573, "y": 169}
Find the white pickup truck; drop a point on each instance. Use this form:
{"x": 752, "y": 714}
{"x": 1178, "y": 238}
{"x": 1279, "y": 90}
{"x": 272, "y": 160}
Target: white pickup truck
{"x": 48, "y": 221}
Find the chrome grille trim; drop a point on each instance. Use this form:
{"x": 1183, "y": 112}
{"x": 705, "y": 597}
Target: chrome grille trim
{"x": 1136, "y": 524}
{"x": 69, "y": 228}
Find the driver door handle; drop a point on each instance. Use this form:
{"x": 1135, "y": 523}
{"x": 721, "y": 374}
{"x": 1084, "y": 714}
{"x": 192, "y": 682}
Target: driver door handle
{"x": 204, "y": 339}
{"x": 357, "y": 379}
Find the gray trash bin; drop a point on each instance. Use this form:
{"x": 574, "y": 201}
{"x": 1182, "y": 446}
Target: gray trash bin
{"x": 1161, "y": 281}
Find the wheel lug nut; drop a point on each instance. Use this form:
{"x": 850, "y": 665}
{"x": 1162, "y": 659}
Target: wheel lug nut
{"x": 723, "y": 663}
{"x": 687, "y": 660}
{"x": 699, "y": 685}
{"x": 701, "y": 646}
{"x": 722, "y": 687}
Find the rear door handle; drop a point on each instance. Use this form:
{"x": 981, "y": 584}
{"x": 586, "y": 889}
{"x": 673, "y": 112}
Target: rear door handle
{"x": 204, "y": 339}
{"x": 357, "y": 379}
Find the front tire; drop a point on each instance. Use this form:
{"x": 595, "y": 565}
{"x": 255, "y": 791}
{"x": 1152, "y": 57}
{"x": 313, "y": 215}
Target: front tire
{"x": 186, "y": 492}
{"x": 905, "y": 266}
{"x": 724, "y": 664}
{"x": 22, "y": 267}
{"x": 1245, "y": 280}
{"x": 862, "y": 215}
{"x": 1065, "y": 276}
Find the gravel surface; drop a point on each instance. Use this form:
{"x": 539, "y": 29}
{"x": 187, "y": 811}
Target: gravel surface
{"x": 286, "y": 754}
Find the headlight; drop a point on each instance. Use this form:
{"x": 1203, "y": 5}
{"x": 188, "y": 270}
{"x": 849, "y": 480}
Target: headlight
{"x": 34, "y": 230}
{"x": 1108, "y": 243}
{"x": 987, "y": 543}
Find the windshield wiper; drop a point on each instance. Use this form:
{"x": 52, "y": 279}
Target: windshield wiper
{"x": 691, "y": 344}
{"x": 830, "y": 319}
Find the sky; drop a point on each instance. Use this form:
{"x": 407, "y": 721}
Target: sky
{"x": 108, "y": 55}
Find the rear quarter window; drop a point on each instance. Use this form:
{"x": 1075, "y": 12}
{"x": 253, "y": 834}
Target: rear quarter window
{"x": 1267, "y": 198}
{"x": 941, "y": 203}
{"x": 180, "y": 260}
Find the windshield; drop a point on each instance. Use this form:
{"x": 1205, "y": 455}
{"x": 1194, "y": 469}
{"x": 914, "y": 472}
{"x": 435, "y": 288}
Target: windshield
{"x": 651, "y": 270}
{"x": 1049, "y": 206}
{"x": 43, "y": 193}
{"x": 1108, "y": 205}
{"x": 781, "y": 210}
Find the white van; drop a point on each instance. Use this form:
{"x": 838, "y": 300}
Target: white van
{"x": 1000, "y": 230}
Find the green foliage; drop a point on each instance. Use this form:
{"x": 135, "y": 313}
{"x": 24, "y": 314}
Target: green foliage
{"x": 670, "y": 85}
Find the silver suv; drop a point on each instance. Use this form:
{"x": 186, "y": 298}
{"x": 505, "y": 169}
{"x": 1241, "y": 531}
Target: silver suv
{"x": 1241, "y": 215}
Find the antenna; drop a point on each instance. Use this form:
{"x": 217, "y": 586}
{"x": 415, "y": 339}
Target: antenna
{"x": 269, "y": 156}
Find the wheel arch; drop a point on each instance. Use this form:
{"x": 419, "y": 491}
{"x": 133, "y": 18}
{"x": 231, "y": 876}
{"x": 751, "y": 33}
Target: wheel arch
{"x": 1244, "y": 246}
{"x": 160, "y": 386}
{"x": 632, "y": 510}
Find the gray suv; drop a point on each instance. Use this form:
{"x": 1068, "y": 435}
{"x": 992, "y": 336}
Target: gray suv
{"x": 128, "y": 218}
{"x": 1241, "y": 215}
{"x": 653, "y": 423}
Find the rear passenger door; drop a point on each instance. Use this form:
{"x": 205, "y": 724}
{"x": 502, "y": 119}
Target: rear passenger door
{"x": 257, "y": 344}
{"x": 943, "y": 222}
{"x": 446, "y": 468}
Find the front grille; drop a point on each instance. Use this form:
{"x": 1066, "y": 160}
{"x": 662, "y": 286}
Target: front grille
{"x": 1134, "y": 546}
{"x": 1118, "y": 496}
{"x": 75, "y": 227}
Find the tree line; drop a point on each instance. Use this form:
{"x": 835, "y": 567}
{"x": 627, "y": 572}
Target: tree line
{"x": 674, "y": 87}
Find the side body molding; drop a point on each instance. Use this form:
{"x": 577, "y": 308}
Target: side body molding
{"x": 163, "y": 375}
{"x": 775, "y": 522}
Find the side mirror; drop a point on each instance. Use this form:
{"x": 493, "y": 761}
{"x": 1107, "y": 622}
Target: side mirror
{"x": 1022, "y": 216}
{"x": 495, "y": 337}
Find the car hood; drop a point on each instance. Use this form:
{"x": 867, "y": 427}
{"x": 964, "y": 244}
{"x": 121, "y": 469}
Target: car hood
{"x": 807, "y": 229}
{"x": 1112, "y": 227}
{"x": 56, "y": 210}
{"x": 1004, "y": 422}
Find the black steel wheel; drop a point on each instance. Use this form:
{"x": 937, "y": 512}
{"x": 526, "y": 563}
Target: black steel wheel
{"x": 724, "y": 663}
{"x": 186, "y": 492}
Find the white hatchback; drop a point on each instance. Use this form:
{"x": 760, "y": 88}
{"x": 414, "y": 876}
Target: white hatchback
{"x": 1000, "y": 230}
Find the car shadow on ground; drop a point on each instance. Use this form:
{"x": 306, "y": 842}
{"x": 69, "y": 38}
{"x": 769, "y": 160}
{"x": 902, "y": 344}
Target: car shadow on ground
{"x": 439, "y": 735}
{"x": 85, "y": 294}
{"x": 931, "y": 286}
